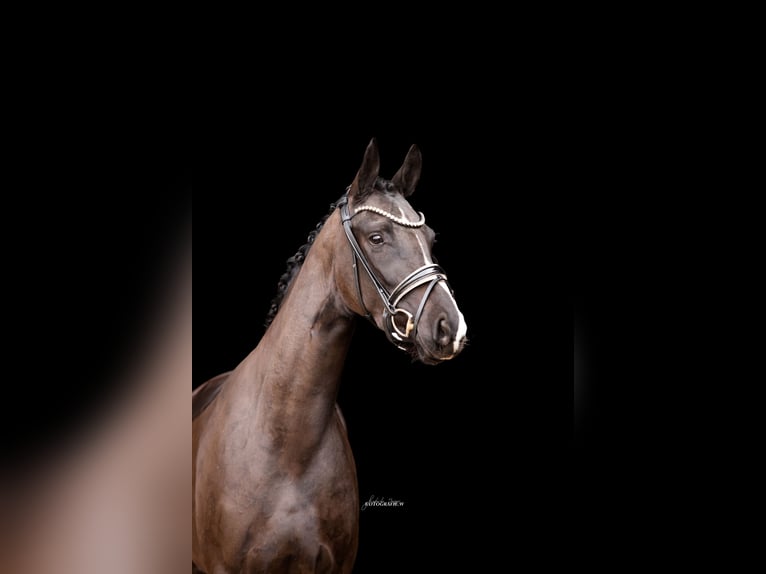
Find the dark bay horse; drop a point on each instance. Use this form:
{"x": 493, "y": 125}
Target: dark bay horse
{"x": 273, "y": 476}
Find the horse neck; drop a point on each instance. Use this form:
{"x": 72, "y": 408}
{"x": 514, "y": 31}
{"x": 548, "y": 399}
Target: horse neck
{"x": 294, "y": 373}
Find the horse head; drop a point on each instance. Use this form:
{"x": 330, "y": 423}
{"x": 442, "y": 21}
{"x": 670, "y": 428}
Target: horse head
{"x": 394, "y": 279}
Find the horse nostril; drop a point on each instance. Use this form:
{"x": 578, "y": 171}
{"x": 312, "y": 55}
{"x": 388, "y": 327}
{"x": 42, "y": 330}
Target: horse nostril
{"x": 443, "y": 332}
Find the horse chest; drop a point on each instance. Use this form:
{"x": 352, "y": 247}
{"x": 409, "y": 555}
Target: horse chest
{"x": 305, "y": 520}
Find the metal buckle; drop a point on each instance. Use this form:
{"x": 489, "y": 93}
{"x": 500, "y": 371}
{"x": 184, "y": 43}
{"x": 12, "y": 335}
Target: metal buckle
{"x": 397, "y": 332}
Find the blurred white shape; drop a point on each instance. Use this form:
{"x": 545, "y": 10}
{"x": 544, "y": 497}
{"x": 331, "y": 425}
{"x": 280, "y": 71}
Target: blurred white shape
{"x": 116, "y": 500}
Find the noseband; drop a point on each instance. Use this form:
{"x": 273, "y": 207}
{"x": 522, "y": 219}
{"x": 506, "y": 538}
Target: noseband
{"x": 430, "y": 274}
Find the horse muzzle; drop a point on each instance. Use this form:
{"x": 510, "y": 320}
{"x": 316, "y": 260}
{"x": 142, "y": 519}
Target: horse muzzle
{"x": 431, "y": 341}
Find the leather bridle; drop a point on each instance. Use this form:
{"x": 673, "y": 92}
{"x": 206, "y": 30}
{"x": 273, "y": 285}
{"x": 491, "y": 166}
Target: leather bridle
{"x": 430, "y": 274}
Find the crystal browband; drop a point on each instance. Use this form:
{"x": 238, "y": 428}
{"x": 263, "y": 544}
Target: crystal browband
{"x": 392, "y": 217}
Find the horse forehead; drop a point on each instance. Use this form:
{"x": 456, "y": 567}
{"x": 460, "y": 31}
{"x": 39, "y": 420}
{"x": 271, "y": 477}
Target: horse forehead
{"x": 395, "y": 204}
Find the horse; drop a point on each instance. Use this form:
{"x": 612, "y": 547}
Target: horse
{"x": 274, "y": 484}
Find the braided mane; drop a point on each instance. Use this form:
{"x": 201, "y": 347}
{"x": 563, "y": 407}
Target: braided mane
{"x": 294, "y": 264}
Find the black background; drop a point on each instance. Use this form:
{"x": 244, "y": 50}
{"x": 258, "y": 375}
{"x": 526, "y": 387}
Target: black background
{"x": 569, "y": 182}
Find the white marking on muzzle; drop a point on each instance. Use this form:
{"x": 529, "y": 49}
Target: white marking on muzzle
{"x": 462, "y": 326}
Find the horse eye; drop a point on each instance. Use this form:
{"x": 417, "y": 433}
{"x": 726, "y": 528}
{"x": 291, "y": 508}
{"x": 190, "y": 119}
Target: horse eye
{"x": 376, "y": 239}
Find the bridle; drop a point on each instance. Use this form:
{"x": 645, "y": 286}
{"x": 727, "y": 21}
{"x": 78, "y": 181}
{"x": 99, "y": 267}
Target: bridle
{"x": 430, "y": 273}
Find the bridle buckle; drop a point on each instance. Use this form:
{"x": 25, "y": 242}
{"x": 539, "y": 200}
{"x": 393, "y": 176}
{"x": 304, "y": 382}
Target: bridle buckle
{"x": 400, "y": 335}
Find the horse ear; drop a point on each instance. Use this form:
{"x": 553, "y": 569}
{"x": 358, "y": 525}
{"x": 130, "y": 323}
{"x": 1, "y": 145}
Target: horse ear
{"x": 368, "y": 171}
{"x": 409, "y": 174}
